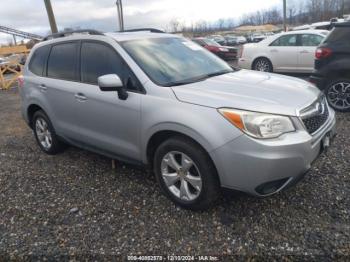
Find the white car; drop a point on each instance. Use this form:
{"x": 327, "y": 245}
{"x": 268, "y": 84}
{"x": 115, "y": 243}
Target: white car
{"x": 292, "y": 52}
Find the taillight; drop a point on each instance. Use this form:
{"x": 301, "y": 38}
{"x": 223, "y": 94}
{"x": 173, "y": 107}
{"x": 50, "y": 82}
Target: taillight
{"x": 20, "y": 81}
{"x": 323, "y": 52}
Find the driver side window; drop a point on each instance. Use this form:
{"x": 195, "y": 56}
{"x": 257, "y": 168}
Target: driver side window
{"x": 285, "y": 40}
{"x": 98, "y": 60}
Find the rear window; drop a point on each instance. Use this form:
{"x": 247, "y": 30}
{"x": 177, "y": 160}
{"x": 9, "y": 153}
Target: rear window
{"x": 38, "y": 61}
{"x": 62, "y": 62}
{"x": 338, "y": 34}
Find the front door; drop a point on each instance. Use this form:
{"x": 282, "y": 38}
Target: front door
{"x": 107, "y": 123}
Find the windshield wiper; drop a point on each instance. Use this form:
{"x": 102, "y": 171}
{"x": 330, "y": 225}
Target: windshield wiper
{"x": 223, "y": 72}
{"x": 198, "y": 79}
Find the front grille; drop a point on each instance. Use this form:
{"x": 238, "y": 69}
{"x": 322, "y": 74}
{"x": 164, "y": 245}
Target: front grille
{"x": 315, "y": 116}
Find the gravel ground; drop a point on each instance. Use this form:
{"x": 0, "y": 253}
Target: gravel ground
{"x": 75, "y": 204}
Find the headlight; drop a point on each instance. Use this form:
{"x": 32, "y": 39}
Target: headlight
{"x": 258, "y": 125}
{"x": 223, "y": 49}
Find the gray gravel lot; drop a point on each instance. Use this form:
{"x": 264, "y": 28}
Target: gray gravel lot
{"x": 74, "y": 204}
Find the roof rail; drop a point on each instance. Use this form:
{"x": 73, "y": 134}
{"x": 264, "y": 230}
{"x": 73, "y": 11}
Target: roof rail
{"x": 152, "y": 30}
{"x": 66, "y": 33}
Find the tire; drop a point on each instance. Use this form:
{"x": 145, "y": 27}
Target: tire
{"x": 263, "y": 65}
{"x": 338, "y": 94}
{"x": 45, "y": 134}
{"x": 198, "y": 182}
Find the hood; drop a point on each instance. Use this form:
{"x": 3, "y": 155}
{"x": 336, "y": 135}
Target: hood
{"x": 252, "y": 91}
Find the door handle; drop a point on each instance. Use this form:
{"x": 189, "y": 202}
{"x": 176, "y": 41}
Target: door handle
{"x": 304, "y": 52}
{"x": 274, "y": 51}
{"x": 80, "y": 97}
{"x": 43, "y": 88}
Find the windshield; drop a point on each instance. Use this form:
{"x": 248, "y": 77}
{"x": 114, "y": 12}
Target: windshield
{"x": 174, "y": 61}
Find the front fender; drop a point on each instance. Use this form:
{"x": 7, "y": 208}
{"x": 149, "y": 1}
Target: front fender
{"x": 205, "y": 125}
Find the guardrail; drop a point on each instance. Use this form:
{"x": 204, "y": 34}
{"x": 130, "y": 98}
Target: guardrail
{"x": 9, "y": 73}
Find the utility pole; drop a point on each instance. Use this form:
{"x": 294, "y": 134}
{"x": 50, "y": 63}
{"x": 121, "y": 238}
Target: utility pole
{"x": 51, "y": 16}
{"x": 119, "y": 5}
{"x": 285, "y": 15}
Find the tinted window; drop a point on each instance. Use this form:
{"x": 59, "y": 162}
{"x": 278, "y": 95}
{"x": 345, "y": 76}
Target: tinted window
{"x": 311, "y": 40}
{"x": 62, "y": 62}
{"x": 286, "y": 40}
{"x": 339, "y": 34}
{"x": 98, "y": 60}
{"x": 38, "y": 61}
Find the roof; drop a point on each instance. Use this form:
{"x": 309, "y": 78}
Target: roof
{"x": 125, "y": 36}
{"x": 310, "y": 31}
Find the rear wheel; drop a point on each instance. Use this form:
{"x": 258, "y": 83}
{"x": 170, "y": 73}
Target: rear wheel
{"x": 262, "y": 65}
{"x": 45, "y": 134}
{"x": 338, "y": 95}
{"x": 186, "y": 174}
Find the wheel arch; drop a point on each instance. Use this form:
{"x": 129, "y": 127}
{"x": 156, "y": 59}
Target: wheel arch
{"x": 160, "y": 136}
{"x": 31, "y": 110}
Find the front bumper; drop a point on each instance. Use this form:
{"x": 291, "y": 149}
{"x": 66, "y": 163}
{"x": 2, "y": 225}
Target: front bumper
{"x": 247, "y": 164}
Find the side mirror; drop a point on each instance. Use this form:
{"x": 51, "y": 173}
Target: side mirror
{"x": 112, "y": 82}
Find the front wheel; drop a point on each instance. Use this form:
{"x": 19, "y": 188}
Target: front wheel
{"x": 338, "y": 95}
{"x": 186, "y": 174}
{"x": 262, "y": 65}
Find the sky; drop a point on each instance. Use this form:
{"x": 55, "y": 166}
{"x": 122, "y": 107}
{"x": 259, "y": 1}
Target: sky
{"x": 30, "y": 15}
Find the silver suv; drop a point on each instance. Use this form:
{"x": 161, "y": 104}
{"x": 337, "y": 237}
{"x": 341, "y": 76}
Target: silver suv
{"x": 160, "y": 100}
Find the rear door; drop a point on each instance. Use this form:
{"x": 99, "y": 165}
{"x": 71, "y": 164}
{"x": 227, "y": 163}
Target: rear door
{"x": 60, "y": 86}
{"x": 283, "y": 53}
{"x": 107, "y": 123}
{"x": 307, "y": 48}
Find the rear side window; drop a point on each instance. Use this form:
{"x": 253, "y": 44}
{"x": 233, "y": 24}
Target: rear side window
{"x": 98, "y": 60}
{"x": 339, "y": 34}
{"x": 311, "y": 40}
{"x": 62, "y": 62}
{"x": 286, "y": 40}
{"x": 38, "y": 61}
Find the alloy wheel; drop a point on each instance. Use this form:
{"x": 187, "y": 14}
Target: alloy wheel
{"x": 43, "y": 133}
{"x": 262, "y": 65}
{"x": 181, "y": 176}
{"x": 339, "y": 95}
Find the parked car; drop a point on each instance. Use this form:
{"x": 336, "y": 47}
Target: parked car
{"x": 242, "y": 40}
{"x": 225, "y": 52}
{"x": 162, "y": 101}
{"x": 258, "y": 38}
{"x": 291, "y": 52}
{"x": 218, "y": 39}
{"x": 332, "y": 67}
{"x": 231, "y": 40}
